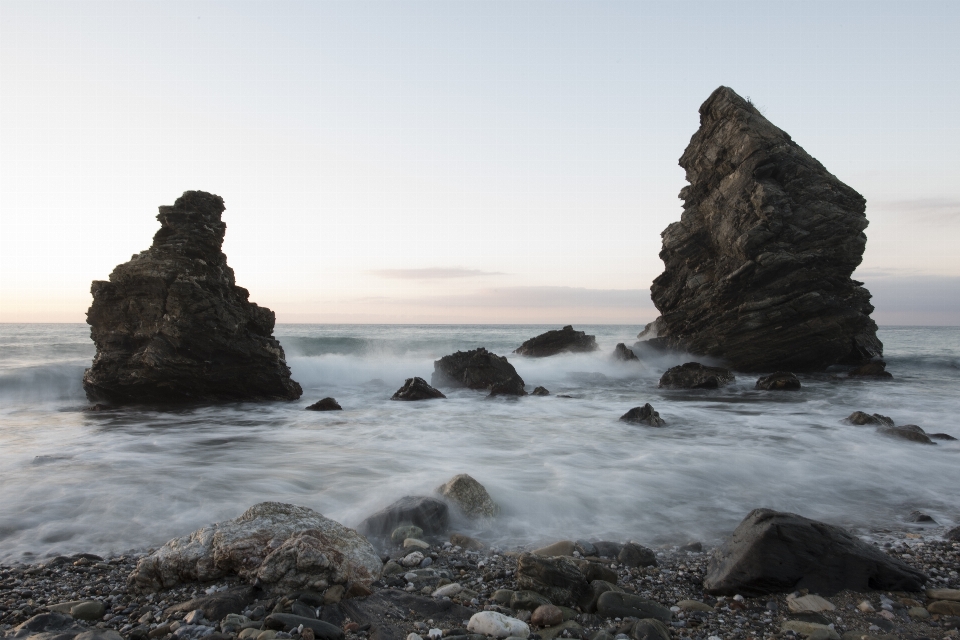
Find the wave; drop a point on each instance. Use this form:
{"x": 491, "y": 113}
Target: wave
{"x": 48, "y": 382}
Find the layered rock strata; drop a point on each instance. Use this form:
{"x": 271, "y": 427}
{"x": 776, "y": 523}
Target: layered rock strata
{"x": 757, "y": 270}
{"x": 171, "y": 325}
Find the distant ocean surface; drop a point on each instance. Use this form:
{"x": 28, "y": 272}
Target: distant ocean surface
{"x": 109, "y": 482}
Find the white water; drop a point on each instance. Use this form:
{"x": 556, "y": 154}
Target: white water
{"x": 106, "y": 482}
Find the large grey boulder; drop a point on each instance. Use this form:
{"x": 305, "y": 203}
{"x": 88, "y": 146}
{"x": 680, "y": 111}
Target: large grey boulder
{"x": 757, "y": 270}
{"x": 172, "y": 326}
{"x": 773, "y": 552}
{"x": 286, "y": 547}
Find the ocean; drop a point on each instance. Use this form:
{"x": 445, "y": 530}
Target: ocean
{"x": 561, "y": 468}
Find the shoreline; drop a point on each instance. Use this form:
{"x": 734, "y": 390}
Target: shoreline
{"x": 29, "y": 589}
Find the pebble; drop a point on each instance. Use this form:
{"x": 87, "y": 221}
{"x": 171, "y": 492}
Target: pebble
{"x": 415, "y": 543}
{"x": 412, "y": 560}
{"x": 448, "y": 591}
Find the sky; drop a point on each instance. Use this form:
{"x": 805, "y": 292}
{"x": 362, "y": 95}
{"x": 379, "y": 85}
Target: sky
{"x": 455, "y": 161}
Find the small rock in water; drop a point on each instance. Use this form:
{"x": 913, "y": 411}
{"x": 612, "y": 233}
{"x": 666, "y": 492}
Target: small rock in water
{"x": 644, "y": 415}
{"x": 416, "y": 389}
{"x": 540, "y": 391}
{"x": 694, "y": 375}
{"x": 941, "y": 436}
{"x": 327, "y": 404}
{"x": 919, "y": 516}
{"x": 910, "y": 432}
{"x": 558, "y": 341}
{"x": 779, "y": 381}
{"x": 861, "y": 418}
{"x": 623, "y": 353}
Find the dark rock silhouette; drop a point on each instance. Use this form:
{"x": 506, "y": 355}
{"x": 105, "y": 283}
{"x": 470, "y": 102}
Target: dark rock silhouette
{"x": 694, "y": 375}
{"x": 776, "y": 552}
{"x": 644, "y": 415}
{"x": 416, "y": 389}
{"x": 874, "y": 369}
{"x": 558, "y": 341}
{"x": 779, "y": 381}
{"x": 477, "y": 369}
{"x": 757, "y": 270}
{"x": 327, "y": 404}
{"x": 540, "y": 391}
{"x": 172, "y": 326}
{"x": 623, "y": 352}
{"x": 861, "y": 418}
{"x": 910, "y": 432}
{"x": 430, "y": 514}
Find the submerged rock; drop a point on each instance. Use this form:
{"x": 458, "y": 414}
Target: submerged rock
{"x": 779, "y": 381}
{"x": 171, "y": 325}
{"x": 644, "y": 415}
{"x": 327, "y": 404}
{"x": 540, "y": 391}
{"x": 430, "y": 514}
{"x": 624, "y": 353}
{"x": 558, "y": 341}
{"x": 757, "y": 270}
{"x": 477, "y": 369}
{"x": 774, "y": 552}
{"x": 861, "y": 418}
{"x": 694, "y": 375}
{"x": 907, "y": 432}
{"x": 470, "y": 496}
{"x": 416, "y": 389}
{"x": 286, "y": 547}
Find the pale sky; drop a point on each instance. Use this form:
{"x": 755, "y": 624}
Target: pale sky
{"x": 454, "y": 161}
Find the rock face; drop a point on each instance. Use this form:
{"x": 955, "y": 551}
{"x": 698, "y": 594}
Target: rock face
{"x": 624, "y": 353}
{"x": 285, "y": 547}
{"x": 171, "y": 325}
{"x": 757, "y": 270}
{"x": 416, "y": 389}
{"x": 470, "y": 496}
{"x": 477, "y": 369}
{"x": 558, "y": 341}
{"x": 772, "y": 552}
{"x": 779, "y": 381}
{"x": 644, "y": 415}
{"x": 694, "y": 375}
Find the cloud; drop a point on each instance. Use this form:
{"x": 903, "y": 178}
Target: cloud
{"x": 432, "y": 273}
{"x": 548, "y": 297}
{"x": 924, "y": 210}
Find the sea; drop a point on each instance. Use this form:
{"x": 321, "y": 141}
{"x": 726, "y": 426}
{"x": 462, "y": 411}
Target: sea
{"x": 112, "y": 482}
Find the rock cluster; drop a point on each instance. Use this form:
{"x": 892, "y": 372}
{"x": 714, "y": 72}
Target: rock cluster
{"x": 171, "y": 325}
{"x": 757, "y": 270}
{"x": 558, "y": 341}
{"x": 478, "y": 369}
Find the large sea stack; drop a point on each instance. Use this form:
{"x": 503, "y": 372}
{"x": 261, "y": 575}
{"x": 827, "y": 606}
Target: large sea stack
{"x": 757, "y": 271}
{"x": 171, "y": 325}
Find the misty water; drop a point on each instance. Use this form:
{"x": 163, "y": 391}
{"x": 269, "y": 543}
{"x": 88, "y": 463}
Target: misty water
{"x": 107, "y": 482}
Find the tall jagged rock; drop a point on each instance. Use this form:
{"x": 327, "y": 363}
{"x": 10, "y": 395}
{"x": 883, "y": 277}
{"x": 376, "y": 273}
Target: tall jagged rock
{"x": 172, "y": 326}
{"x": 757, "y": 271}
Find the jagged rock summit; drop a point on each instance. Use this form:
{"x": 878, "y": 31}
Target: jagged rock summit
{"x": 171, "y": 325}
{"x": 757, "y": 270}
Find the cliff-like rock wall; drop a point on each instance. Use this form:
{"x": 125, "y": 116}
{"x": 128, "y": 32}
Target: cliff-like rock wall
{"x": 171, "y": 325}
{"x": 757, "y": 271}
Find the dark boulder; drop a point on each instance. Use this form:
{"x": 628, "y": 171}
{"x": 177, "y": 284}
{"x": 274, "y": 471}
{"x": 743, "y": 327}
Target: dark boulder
{"x": 540, "y": 391}
{"x": 694, "y": 375}
{"x": 921, "y": 517}
{"x": 774, "y": 552}
{"x": 624, "y": 353}
{"x": 607, "y": 549}
{"x": 861, "y": 418}
{"x": 557, "y": 578}
{"x": 558, "y": 341}
{"x": 512, "y": 387}
{"x": 614, "y": 604}
{"x": 588, "y": 601}
{"x": 644, "y": 415}
{"x": 875, "y": 369}
{"x": 327, "y": 404}
{"x": 477, "y": 369}
{"x": 635, "y": 555}
{"x": 779, "y": 381}
{"x": 757, "y": 270}
{"x": 953, "y": 534}
{"x": 941, "y": 436}
{"x": 416, "y": 389}
{"x": 909, "y": 432}
{"x": 172, "y": 326}
{"x": 430, "y": 514}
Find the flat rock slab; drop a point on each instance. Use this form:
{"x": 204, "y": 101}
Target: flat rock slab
{"x": 774, "y": 552}
{"x": 809, "y": 603}
{"x": 944, "y": 594}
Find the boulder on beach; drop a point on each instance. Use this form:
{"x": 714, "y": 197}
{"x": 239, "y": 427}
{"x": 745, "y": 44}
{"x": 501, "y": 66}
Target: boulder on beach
{"x": 172, "y": 326}
{"x": 558, "y": 341}
{"x": 283, "y": 546}
{"x": 694, "y": 375}
{"x": 470, "y": 496}
{"x": 416, "y": 389}
{"x": 430, "y": 514}
{"x": 861, "y": 418}
{"x": 327, "y": 404}
{"x": 477, "y": 369}
{"x": 644, "y": 415}
{"x": 775, "y": 552}
{"x": 623, "y": 353}
{"x": 557, "y": 578}
{"x": 779, "y": 381}
{"x": 757, "y": 270}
